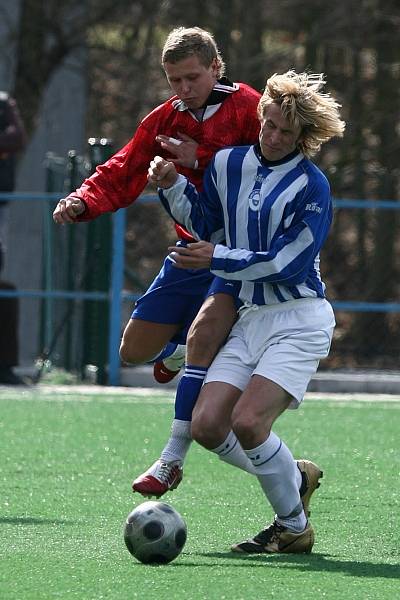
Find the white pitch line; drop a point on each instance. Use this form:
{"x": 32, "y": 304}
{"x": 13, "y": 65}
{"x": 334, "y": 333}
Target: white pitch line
{"x": 86, "y": 393}
{"x": 359, "y": 397}
{"x": 137, "y": 395}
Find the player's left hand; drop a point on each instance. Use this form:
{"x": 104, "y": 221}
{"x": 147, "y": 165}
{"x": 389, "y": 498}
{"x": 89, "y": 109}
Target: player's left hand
{"x": 184, "y": 148}
{"x": 162, "y": 172}
{"x": 197, "y": 255}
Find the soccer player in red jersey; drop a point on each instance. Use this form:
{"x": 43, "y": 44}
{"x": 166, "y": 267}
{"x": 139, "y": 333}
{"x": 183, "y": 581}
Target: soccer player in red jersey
{"x": 206, "y": 113}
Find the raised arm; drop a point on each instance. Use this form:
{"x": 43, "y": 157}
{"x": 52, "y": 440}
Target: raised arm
{"x": 199, "y": 212}
{"x": 115, "y": 184}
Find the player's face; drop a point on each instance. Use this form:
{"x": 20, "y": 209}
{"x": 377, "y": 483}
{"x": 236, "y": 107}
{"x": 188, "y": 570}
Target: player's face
{"x": 277, "y": 137}
{"x": 191, "y": 81}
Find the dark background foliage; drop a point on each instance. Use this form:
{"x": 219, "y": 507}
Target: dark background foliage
{"x": 356, "y": 43}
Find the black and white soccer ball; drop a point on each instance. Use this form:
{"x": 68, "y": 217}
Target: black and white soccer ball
{"x": 154, "y": 532}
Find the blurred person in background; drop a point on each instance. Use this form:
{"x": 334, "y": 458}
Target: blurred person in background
{"x": 12, "y": 141}
{"x": 8, "y": 333}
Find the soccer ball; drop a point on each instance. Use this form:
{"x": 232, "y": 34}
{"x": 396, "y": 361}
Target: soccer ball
{"x": 154, "y": 532}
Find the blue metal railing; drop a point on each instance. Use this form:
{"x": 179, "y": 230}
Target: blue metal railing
{"x": 116, "y": 295}
{"x": 370, "y": 204}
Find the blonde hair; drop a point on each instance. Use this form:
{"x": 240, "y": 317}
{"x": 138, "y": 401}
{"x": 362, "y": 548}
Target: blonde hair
{"x": 183, "y": 42}
{"x": 305, "y": 106}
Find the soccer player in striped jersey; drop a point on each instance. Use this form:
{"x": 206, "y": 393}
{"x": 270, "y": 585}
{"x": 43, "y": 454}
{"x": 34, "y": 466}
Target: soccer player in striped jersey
{"x": 262, "y": 220}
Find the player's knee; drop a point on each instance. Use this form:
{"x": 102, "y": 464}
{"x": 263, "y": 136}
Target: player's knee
{"x": 132, "y": 354}
{"x": 124, "y": 353}
{"x": 198, "y": 430}
{"x": 205, "y": 431}
{"x": 244, "y": 426}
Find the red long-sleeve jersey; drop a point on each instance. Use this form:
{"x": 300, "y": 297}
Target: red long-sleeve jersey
{"x": 230, "y": 118}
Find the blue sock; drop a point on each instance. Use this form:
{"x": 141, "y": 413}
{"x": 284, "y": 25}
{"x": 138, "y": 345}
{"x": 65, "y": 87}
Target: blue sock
{"x": 188, "y": 390}
{"x": 165, "y": 352}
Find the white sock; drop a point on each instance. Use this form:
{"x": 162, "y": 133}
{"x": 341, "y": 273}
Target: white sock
{"x": 179, "y": 442}
{"x": 277, "y": 473}
{"x": 176, "y": 360}
{"x": 231, "y": 452}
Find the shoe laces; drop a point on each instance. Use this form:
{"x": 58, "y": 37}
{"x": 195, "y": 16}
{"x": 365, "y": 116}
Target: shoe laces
{"x": 167, "y": 472}
{"x": 270, "y": 534}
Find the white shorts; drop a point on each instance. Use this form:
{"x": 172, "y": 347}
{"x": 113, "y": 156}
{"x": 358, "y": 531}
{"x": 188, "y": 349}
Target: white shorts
{"x": 283, "y": 343}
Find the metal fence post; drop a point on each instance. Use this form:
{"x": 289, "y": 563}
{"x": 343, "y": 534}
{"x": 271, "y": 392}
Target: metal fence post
{"x": 98, "y": 257}
{"x": 117, "y": 281}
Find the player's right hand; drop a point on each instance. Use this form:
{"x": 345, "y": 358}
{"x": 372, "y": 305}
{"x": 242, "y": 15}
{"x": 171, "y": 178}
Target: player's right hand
{"x": 67, "y": 210}
{"x": 184, "y": 149}
{"x": 162, "y": 172}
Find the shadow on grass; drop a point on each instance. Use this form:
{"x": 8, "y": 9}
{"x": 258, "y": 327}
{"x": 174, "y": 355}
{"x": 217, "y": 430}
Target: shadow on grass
{"x": 312, "y": 562}
{"x": 33, "y": 521}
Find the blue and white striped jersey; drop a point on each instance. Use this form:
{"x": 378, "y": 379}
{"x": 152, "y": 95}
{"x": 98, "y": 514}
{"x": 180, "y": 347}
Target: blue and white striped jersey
{"x": 273, "y": 216}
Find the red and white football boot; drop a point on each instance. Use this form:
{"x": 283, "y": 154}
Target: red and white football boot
{"x": 158, "y": 479}
{"x": 168, "y": 368}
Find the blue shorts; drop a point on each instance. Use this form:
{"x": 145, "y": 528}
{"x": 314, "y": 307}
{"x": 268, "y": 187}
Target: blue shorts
{"x": 224, "y": 286}
{"x": 176, "y": 295}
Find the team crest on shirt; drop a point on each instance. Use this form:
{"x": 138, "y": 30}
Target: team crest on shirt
{"x": 255, "y": 200}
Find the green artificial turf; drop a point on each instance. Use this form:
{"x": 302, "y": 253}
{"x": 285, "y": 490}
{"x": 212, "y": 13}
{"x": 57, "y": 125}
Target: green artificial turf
{"x": 67, "y": 460}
